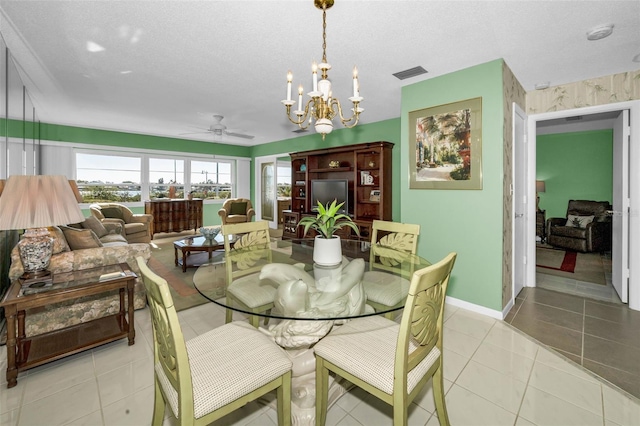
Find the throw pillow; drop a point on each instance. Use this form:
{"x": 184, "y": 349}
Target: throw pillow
{"x": 95, "y": 225}
{"x": 578, "y": 221}
{"x": 79, "y": 239}
{"x": 238, "y": 208}
{"x": 112, "y": 212}
{"x": 59, "y": 242}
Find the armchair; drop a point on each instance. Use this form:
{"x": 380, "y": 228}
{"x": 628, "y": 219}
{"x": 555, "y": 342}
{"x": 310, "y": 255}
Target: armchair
{"x": 587, "y": 227}
{"x": 136, "y": 226}
{"x": 236, "y": 210}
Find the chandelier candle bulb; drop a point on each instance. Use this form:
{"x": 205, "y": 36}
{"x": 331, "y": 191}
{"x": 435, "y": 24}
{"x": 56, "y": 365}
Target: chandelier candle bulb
{"x": 314, "y": 69}
{"x": 289, "y": 80}
{"x": 300, "y": 90}
{"x": 355, "y": 82}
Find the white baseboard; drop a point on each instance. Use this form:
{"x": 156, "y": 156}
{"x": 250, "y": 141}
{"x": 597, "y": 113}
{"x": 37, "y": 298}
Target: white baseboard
{"x": 477, "y": 308}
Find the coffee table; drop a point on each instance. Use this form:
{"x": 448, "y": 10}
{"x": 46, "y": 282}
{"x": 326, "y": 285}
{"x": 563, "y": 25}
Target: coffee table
{"x": 27, "y": 352}
{"x": 196, "y": 243}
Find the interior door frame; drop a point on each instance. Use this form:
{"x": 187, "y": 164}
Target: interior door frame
{"x": 257, "y": 187}
{"x": 519, "y": 234}
{"x": 634, "y": 187}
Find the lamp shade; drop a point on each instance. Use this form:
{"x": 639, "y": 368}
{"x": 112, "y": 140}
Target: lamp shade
{"x": 38, "y": 201}
{"x": 76, "y": 191}
{"x": 540, "y": 187}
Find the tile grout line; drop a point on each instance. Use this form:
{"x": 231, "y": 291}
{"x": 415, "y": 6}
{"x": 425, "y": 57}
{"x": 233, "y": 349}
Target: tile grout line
{"x": 584, "y": 319}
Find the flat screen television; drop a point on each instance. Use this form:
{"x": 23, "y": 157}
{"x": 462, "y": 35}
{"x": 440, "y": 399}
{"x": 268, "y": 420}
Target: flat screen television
{"x": 327, "y": 190}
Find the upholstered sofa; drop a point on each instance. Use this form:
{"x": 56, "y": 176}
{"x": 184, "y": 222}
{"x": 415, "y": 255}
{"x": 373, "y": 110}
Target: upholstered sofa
{"x": 137, "y": 226}
{"x": 236, "y": 210}
{"x": 586, "y": 228}
{"x": 110, "y": 248}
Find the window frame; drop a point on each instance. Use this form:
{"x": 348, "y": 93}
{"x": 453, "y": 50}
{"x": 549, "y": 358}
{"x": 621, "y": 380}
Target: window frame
{"x": 145, "y": 184}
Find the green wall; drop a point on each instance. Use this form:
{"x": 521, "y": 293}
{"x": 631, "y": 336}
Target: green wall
{"x": 55, "y": 132}
{"x": 387, "y": 130}
{"x": 468, "y": 222}
{"x": 574, "y": 166}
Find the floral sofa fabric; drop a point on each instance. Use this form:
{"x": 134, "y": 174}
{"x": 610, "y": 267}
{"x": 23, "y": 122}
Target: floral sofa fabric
{"x": 85, "y": 309}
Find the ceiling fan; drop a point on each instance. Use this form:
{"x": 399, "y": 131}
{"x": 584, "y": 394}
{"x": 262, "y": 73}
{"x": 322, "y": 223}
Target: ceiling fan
{"x": 218, "y": 129}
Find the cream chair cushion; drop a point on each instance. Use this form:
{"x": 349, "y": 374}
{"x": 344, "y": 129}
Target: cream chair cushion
{"x": 252, "y": 291}
{"x": 385, "y": 288}
{"x": 255, "y": 362}
{"x": 366, "y": 348}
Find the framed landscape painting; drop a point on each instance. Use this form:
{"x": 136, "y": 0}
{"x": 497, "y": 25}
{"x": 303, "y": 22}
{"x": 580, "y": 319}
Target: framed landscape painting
{"x": 445, "y": 146}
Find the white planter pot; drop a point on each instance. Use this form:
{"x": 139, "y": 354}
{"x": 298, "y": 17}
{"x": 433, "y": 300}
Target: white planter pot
{"x": 327, "y": 251}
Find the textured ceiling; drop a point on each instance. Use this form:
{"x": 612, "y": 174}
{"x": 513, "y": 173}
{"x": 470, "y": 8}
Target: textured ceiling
{"x": 168, "y": 66}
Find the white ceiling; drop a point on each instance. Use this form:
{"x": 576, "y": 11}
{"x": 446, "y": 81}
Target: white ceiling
{"x": 168, "y": 66}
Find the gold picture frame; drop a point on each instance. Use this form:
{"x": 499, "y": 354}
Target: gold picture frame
{"x": 445, "y": 146}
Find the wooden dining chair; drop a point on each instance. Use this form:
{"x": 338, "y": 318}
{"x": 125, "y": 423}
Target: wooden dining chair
{"x": 392, "y": 361}
{"x": 384, "y": 288}
{"x": 211, "y": 375}
{"x": 251, "y": 251}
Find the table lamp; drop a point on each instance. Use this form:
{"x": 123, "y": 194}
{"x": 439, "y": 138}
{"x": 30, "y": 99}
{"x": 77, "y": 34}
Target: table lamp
{"x": 540, "y": 187}
{"x": 33, "y": 203}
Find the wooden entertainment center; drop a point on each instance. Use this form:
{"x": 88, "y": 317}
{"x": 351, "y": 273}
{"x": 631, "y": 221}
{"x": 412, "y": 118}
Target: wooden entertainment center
{"x": 367, "y": 169}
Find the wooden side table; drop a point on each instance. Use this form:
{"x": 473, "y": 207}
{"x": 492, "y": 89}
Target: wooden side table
{"x": 27, "y": 352}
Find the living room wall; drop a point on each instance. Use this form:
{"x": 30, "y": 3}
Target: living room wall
{"x": 574, "y": 166}
{"x": 78, "y": 135}
{"x": 468, "y": 222}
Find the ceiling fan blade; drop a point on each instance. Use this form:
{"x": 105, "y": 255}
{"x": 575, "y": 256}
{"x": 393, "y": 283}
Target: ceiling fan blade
{"x": 195, "y": 133}
{"x": 239, "y": 135}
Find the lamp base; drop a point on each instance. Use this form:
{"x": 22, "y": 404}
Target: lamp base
{"x": 36, "y": 247}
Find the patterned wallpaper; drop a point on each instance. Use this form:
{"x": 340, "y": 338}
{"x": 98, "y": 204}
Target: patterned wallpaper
{"x": 594, "y": 91}
{"x": 512, "y": 92}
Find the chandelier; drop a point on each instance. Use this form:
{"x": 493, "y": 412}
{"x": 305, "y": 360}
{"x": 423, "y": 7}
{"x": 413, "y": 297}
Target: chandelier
{"x": 322, "y": 107}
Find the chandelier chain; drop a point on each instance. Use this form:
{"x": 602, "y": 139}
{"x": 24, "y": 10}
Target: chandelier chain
{"x": 324, "y": 34}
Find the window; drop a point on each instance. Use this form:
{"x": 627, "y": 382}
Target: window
{"x": 108, "y": 178}
{"x": 284, "y": 181}
{"x": 211, "y": 179}
{"x": 166, "y": 178}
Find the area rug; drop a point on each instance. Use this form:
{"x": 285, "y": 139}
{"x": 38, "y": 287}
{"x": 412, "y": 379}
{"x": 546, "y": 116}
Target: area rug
{"x": 587, "y": 267}
{"x": 162, "y": 262}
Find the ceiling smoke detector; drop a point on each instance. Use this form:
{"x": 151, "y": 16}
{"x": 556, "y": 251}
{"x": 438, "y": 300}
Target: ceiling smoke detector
{"x": 600, "y": 32}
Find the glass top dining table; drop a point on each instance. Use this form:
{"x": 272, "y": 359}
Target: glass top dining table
{"x": 306, "y": 291}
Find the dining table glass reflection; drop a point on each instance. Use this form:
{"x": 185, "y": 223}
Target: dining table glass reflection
{"x": 310, "y": 292}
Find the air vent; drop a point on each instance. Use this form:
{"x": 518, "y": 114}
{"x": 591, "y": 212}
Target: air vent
{"x": 411, "y": 72}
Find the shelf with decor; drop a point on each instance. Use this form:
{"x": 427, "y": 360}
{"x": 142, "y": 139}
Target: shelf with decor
{"x": 290, "y": 225}
{"x": 299, "y": 184}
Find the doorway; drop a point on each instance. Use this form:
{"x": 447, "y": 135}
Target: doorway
{"x": 526, "y": 172}
{"x": 575, "y": 161}
{"x": 272, "y": 188}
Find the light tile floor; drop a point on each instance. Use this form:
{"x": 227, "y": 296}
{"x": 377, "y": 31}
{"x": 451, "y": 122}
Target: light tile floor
{"x": 494, "y": 375}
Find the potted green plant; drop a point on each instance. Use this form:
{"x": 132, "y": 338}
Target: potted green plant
{"x": 327, "y": 248}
